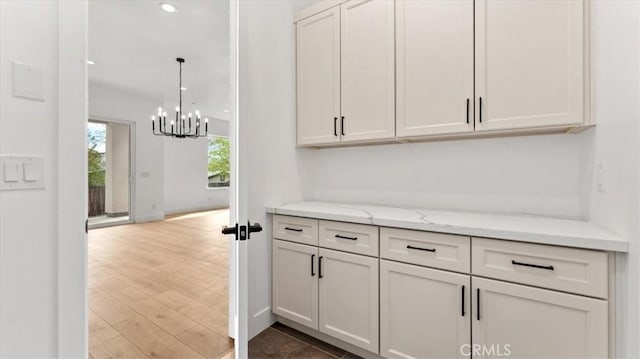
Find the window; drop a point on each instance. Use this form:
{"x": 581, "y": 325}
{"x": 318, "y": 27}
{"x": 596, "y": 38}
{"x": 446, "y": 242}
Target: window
{"x": 218, "y": 171}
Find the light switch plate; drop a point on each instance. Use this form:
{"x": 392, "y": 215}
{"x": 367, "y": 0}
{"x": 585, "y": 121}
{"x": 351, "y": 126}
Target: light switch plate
{"x": 21, "y": 173}
{"x": 30, "y": 172}
{"x": 10, "y": 172}
{"x": 28, "y": 82}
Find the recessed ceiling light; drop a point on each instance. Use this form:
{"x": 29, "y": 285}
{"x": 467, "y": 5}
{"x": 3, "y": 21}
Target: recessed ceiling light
{"x": 226, "y": 110}
{"x": 168, "y": 7}
{"x": 90, "y": 62}
{"x": 183, "y": 88}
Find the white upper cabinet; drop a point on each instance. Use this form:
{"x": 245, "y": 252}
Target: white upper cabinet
{"x": 529, "y": 64}
{"x": 367, "y": 55}
{"x": 401, "y": 70}
{"x": 318, "y": 78}
{"x": 434, "y": 67}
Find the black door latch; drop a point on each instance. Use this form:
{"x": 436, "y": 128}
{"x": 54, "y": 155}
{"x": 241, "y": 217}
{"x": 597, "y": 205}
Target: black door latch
{"x": 242, "y": 233}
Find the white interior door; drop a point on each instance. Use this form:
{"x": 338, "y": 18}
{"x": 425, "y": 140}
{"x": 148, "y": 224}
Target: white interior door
{"x": 238, "y": 202}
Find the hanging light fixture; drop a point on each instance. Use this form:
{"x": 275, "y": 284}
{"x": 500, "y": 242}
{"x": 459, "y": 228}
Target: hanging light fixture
{"x": 181, "y": 126}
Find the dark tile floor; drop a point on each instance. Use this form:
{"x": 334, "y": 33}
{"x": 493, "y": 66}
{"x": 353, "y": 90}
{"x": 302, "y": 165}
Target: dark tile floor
{"x": 280, "y": 341}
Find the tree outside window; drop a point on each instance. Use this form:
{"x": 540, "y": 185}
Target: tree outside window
{"x": 96, "y": 138}
{"x": 219, "y": 165}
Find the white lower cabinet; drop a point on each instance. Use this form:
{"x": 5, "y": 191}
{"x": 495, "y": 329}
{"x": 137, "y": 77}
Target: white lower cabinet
{"x": 424, "y": 313}
{"x": 526, "y": 322}
{"x": 349, "y": 298}
{"x": 295, "y": 282}
{"x": 455, "y": 297}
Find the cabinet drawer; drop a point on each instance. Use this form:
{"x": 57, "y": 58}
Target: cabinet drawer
{"x": 296, "y": 229}
{"x": 430, "y": 249}
{"x": 567, "y": 269}
{"x": 355, "y": 238}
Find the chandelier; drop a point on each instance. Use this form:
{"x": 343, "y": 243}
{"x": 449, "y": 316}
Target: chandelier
{"x": 181, "y": 126}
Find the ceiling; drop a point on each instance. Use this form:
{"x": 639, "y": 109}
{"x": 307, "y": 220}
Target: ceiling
{"x": 134, "y": 45}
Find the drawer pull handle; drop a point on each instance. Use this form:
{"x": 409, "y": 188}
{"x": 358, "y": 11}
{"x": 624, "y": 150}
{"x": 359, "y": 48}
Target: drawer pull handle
{"x": 312, "y": 272}
{"x": 478, "y": 305}
{"x": 293, "y": 229}
{"x": 345, "y": 237}
{"x": 320, "y": 267}
{"x": 421, "y": 249}
{"x": 463, "y": 313}
{"x": 467, "y": 110}
{"x": 516, "y": 263}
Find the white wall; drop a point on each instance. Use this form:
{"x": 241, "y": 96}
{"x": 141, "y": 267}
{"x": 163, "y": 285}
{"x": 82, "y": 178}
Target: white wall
{"x": 185, "y": 173}
{"x": 535, "y": 174}
{"x": 171, "y": 174}
{"x": 615, "y": 32}
{"x": 28, "y": 220}
{"x": 548, "y": 175}
{"x": 267, "y": 120}
{"x": 110, "y": 103}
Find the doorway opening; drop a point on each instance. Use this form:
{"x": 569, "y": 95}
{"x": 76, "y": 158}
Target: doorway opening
{"x": 158, "y": 286}
{"x": 109, "y": 170}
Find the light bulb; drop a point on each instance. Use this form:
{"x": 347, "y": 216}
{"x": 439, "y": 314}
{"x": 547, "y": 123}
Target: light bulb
{"x": 198, "y": 113}
{"x": 177, "y": 109}
{"x": 189, "y": 114}
{"x": 171, "y": 122}
{"x": 153, "y": 118}
{"x": 168, "y": 7}
{"x": 206, "y": 120}
{"x": 159, "y": 111}
{"x": 183, "y": 117}
{"x": 164, "y": 114}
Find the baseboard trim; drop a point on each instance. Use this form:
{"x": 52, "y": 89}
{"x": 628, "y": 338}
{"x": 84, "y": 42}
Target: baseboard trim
{"x": 329, "y": 339}
{"x": 149, "y": 218}
{"x": 261, "y": 320}
{"x": 173, "y": 211}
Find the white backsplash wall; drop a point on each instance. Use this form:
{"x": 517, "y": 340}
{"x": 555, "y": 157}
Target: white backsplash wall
{"x": 528, "y": 174}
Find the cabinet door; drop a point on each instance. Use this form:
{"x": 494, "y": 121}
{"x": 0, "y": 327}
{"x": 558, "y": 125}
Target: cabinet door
{"x": 529, "y": 63}
{"x": 349, "y": 298}
{"x": 537, "y": 323}
{"x": 367, "y": 56}
{"x": 434, "y": 69}
{"x": 295, "y": 282}
{"x": 424, "y": 313}
{"x": 318, "y": 78}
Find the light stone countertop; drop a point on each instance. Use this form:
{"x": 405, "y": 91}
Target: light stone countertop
{"x": 523, "y": 228}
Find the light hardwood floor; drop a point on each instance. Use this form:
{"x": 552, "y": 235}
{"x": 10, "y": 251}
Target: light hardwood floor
{"x": 160, "y": 289}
